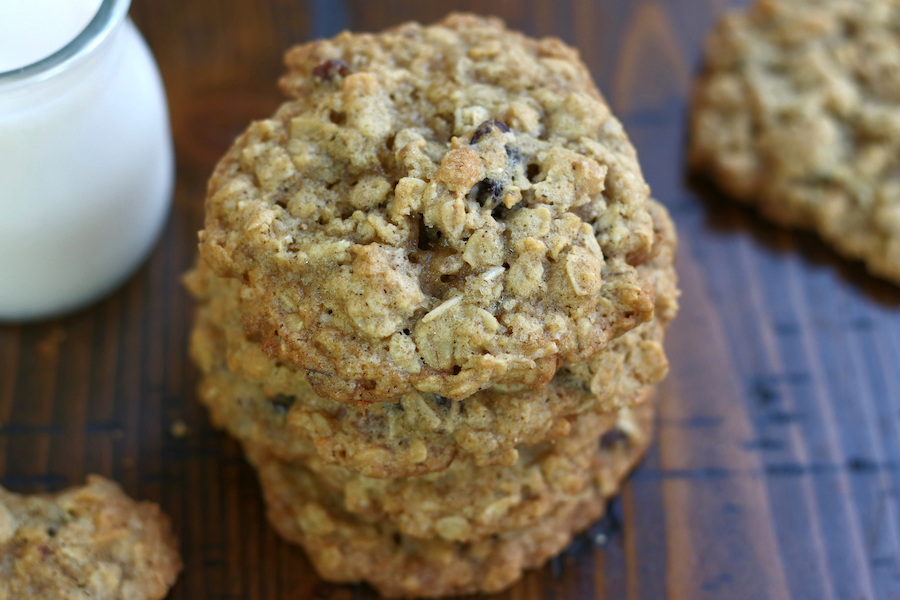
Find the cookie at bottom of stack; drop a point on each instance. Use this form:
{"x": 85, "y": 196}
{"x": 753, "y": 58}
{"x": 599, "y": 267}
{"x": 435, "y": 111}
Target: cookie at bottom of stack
{"x": 348, "y": 547}
{"x": 467, "y": 502}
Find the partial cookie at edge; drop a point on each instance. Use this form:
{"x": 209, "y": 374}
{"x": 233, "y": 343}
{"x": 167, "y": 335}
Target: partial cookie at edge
{"x": 90, "y": 540}
{"x": 798, "y": 113}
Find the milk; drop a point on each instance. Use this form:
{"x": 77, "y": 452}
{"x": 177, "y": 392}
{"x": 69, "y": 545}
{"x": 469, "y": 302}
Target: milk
{"x": 34, "y": 29}
{"x": 86, "y": 161}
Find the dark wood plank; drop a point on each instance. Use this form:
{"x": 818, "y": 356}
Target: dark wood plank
{"x": 776, "y": 471}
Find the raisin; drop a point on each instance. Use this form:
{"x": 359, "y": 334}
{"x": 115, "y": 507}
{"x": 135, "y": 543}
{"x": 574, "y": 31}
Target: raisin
{"x": 500, "y": 211}
{"x": 486, "y": 127}
{"x": 444, "y": 403}
{"x": 488, "y": 189}
{"x": 282, "y": 403}
{"x": 328, "y": 69}
{"x": 612, "y": 438}
{"x": 428, "y": 237}
{"x": 514, "y": 154}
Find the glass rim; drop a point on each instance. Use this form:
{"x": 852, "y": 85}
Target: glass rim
{"x": 110, "y": 14}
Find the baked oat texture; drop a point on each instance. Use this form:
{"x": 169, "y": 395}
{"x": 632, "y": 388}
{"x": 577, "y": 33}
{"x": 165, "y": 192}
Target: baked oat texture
{"x": 437, "y": 209}
{"x": 347, "y": 547}
{"x": 467, "y": 503}
{"x": 798, "y": 112}
{"x": 267, "y": 402}
{"x": 87, "y": 543}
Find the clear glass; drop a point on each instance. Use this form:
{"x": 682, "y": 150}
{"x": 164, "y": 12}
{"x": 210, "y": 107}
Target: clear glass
{"x": 86, "y": 169}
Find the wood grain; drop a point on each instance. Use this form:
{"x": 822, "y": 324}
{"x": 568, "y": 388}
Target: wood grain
{"x": 776, "y": 472}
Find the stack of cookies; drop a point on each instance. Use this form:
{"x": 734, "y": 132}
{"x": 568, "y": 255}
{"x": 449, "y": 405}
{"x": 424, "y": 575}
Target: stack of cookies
{"x": 433, "y": 292}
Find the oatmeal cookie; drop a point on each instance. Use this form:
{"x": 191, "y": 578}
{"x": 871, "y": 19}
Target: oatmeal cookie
{"x": 346, "y": 547}
{"x": 798, "y": 112}
{"x": 437, "y": 209}
{"x": 88, "y": 542}
{"x": 267, "y": 402}
{"x": 466, "y": 503}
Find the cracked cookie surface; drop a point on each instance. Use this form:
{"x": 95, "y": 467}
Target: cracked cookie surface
{"x": 91, "y": 542}
{"x": 437, "y": 209}
{"x": 798, "y": 113}
{"x": 269, "y": 403}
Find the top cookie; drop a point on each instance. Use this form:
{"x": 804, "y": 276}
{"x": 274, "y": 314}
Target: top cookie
{"x": 798, "y": 111}
{"x": 91, "y": 542}
{"x": 437, "y": 208}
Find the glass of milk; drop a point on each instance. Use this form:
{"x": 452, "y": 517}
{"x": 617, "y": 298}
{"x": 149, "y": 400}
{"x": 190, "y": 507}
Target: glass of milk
{"x": 86, "y": 160}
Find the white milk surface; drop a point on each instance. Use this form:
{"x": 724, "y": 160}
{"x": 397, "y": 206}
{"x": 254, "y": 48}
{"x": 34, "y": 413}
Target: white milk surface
{"x": 31, "y": 30}
{"x": 86, "y": 172}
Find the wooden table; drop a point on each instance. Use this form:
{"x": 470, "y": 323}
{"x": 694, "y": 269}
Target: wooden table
{"x": 777, "y": 468}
